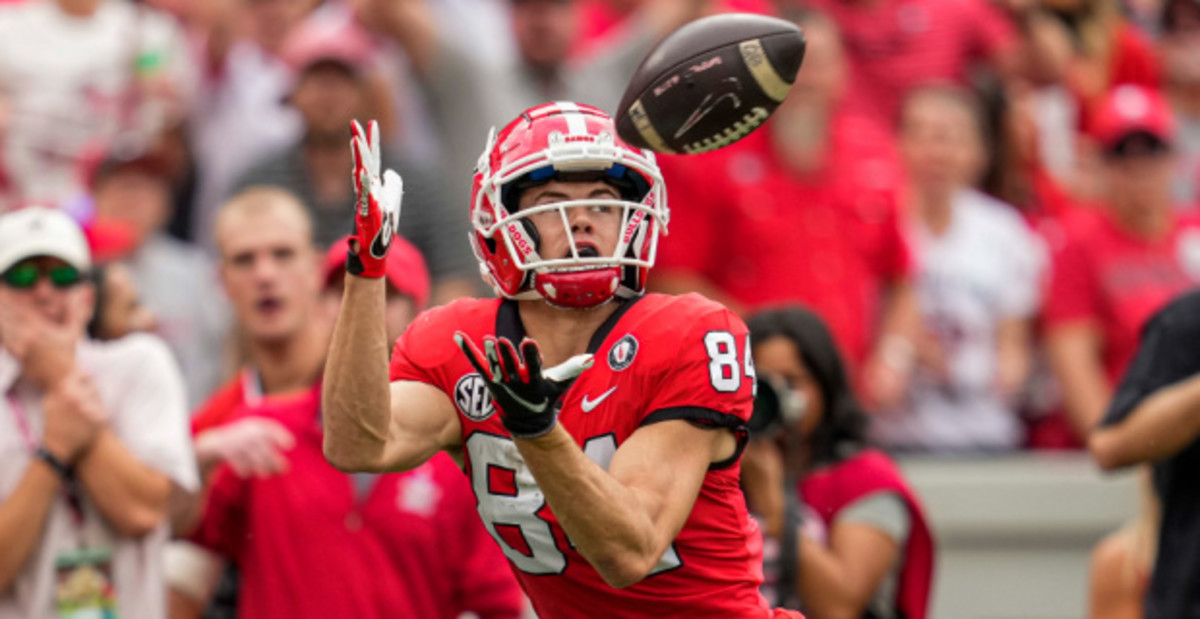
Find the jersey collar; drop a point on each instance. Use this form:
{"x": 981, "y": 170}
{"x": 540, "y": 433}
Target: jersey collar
{"x": 509, "y": 325}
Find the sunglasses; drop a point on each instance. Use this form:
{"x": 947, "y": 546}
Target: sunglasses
{"x": 25, "y": 276}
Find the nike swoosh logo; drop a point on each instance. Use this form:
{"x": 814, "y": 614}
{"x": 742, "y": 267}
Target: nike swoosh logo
{"x": 383, "y": 238}
{"x": 590, "y": 405}
{"x": 731, "y": 86}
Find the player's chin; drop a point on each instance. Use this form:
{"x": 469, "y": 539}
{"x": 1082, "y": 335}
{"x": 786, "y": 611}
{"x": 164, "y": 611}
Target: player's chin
{"x": 275, "y": 331}
{"x": 274, "y": 323}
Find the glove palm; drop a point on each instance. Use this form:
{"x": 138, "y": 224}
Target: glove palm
{"x": 525, "y": 394}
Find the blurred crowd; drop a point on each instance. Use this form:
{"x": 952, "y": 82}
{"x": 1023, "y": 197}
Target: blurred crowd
{"x": 980, "y": 202}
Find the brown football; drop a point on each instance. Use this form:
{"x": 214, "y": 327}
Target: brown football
{"x": 710, "y": 83}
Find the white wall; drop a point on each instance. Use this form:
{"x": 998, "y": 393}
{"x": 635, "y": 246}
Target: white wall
{"x": 1015, "y": 533}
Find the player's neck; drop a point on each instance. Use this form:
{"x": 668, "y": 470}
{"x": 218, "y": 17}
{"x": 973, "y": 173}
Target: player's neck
{"x": 292, "y": 364}
{"x": 1147, "y": 223}
{"x": 562, "y": 334}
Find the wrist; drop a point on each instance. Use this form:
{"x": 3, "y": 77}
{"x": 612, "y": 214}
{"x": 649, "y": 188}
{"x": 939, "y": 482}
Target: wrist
{"x": 531, "y": 428}
{"x": 535, "y": 434}
{"x": 365, "y": 268}
{"x": 207, "y": 448}
{"x": 53, "y": 458}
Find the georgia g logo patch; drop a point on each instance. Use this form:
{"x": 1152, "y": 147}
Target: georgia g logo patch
{"x": 621, "y": 355}
{"x": 472, "y": 397}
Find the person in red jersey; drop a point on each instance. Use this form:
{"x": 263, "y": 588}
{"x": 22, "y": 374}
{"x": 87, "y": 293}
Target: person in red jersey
{"x": 610, "y": 479}
{"x": 309, "y": 540}
{"x": 818, "y": 180}
{"x": 1122, "y": 262}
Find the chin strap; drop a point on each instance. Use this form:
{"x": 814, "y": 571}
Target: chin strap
{"x": 578, "y": 289}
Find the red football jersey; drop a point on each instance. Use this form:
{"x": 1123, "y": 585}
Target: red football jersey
{"x": 657, "y": 358}
{"x": 1104, "y": 276}
{"x": 765, "y": 235}
{"x": 313, "y": 542}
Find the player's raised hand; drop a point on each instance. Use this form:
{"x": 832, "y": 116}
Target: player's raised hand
{"x": 524, "y": 392}
{"x": 377, "y": 209}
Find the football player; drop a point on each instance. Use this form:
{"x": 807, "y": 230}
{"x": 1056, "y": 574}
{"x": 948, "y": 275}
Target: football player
{"x": 600, "y": 427}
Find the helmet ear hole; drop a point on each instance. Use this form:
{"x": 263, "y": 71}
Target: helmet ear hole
{"x": 629, "y": 277}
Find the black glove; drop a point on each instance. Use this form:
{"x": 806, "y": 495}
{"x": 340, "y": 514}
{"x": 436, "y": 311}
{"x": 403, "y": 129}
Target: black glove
{"x": 524, "y": 393}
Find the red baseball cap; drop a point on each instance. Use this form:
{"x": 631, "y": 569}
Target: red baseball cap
{"x": 311, "y": 43}
{"x": 406, "y": 270}
{"x": 1129, "y": 110}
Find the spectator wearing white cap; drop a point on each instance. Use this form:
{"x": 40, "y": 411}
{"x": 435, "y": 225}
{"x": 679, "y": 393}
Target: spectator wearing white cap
{"x": 92, "y": 437}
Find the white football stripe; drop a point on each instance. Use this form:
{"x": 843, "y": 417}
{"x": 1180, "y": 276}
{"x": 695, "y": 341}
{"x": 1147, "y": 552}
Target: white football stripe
{"x": 760, "y": 67}
{"x": 576, "y": 125}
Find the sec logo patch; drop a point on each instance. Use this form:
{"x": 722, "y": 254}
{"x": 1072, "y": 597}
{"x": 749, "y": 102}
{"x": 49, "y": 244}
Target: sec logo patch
{"x": 621, "y": 355}
{"x": 472, "y": 397}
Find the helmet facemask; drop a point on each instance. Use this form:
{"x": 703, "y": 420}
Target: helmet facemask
{"x": 583, "y": 277}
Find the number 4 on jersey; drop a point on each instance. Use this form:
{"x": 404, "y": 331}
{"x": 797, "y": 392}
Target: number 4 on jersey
{"x": 725, "y": 370}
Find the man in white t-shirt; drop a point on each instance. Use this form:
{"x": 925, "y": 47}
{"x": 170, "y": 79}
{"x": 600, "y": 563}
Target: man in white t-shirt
{"x": 77, "y": 77}
{"x": 977, "y": 287}
{"x": 92, "y": 438}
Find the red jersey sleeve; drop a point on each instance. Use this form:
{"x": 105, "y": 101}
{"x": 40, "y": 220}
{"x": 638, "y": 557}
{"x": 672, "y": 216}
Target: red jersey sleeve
{"x": 707, "y": 376}
{"x": 1073, "y": 294}
{"x": 222, "y": 529}
{"x": 426, "y": 349}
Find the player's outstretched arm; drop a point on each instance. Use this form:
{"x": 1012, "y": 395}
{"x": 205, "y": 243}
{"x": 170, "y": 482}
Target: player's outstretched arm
{"x": 369, "y": 424}
{"x": 623, "y": 520}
